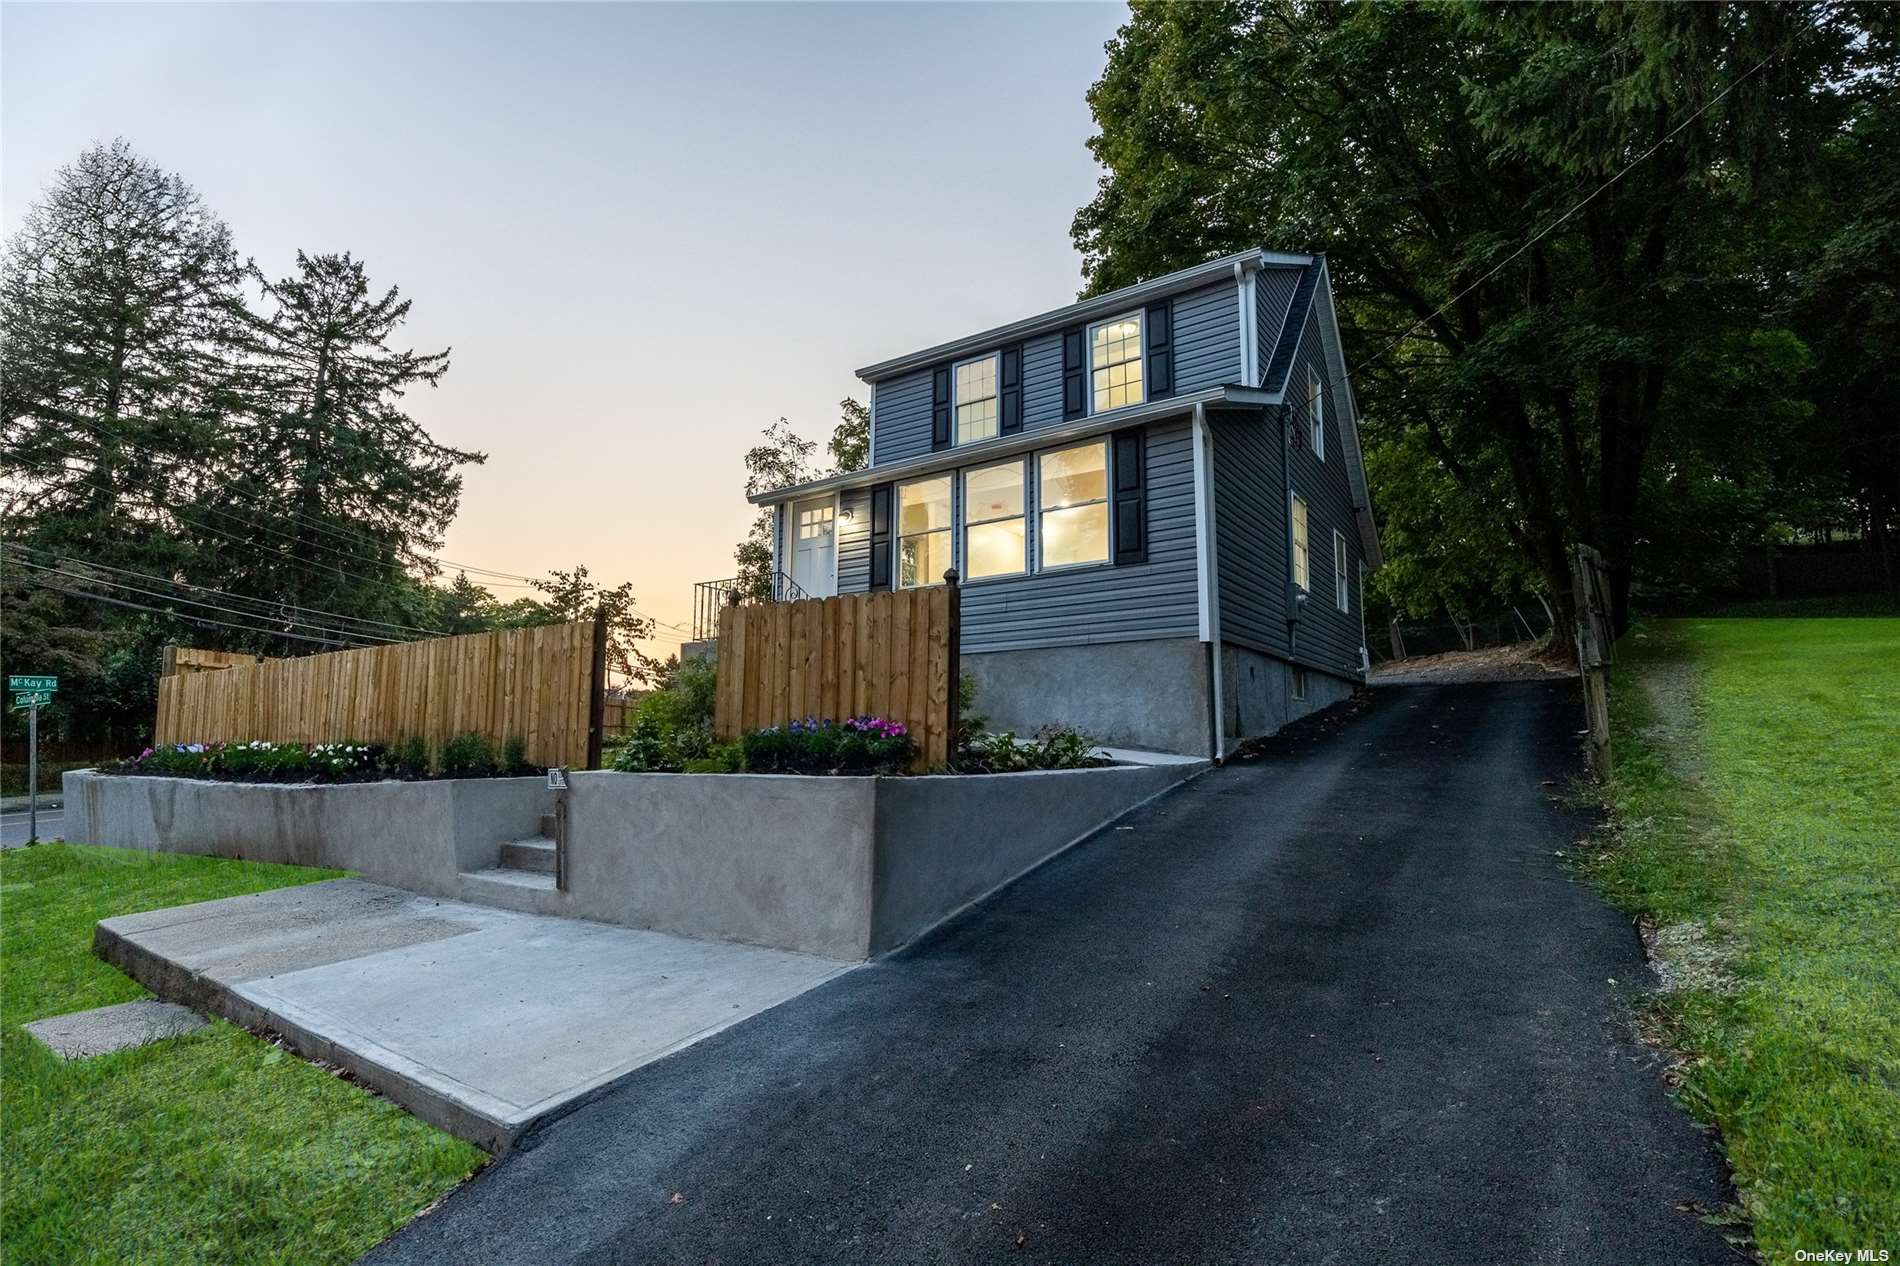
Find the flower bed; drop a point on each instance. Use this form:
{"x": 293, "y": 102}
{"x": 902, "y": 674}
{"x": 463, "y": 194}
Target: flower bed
{"x": 465, "y": 756}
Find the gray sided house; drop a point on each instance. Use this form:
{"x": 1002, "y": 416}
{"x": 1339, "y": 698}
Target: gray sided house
{"x": 1155, "y": 499}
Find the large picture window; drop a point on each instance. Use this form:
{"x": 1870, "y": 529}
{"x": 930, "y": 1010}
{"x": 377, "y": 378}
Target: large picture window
{"x": 923, "y": 532}
{"x": 1115, "y": 362}
{"x": 1302, "y": 568}
{"x": 1072, "y": 488}
{"x": 976, "y": 399}
{"x": 993, "y": 536}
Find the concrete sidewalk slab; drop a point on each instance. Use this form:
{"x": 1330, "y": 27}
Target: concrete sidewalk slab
{"x": 483, "y": 1021}
{"x": 102, "y": 1030}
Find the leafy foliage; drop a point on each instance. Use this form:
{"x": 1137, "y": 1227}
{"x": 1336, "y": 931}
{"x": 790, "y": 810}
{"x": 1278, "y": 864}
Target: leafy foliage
{"x": 1052, "y": 747}
{"x": 782, "y": 460}
{"x": 672, "y": 726}
{"x": 858, "y": 745}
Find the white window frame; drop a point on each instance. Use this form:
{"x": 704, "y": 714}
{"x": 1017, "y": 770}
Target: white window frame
{"x": 996, "y": 394}
{"x": 1342, "y": 593}
{"x": 1140, "y": 318}
{"x": 965, "y": 522}
{"x": 1300, "y": 551}
{"x": 1299, "y": 686}
{"x": 1316, "y": 411}
{"x": 1106, "y": 499}
{"x": 898, "y": 534}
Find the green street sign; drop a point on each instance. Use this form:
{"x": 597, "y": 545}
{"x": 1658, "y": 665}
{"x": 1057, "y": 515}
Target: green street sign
{"x": 47, "y": 684}
{"x": 32, "y": 697}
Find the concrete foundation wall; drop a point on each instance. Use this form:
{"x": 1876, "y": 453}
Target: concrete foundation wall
{"x": 414, "y": 835}
{"x": 1257, "y": 692}
{"x": 1147, "y": 694}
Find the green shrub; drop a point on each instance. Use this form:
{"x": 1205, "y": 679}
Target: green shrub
{"x": 725, "y": 758}
{"x": 673, "y": 725}
{"x": 861, "y": 745}
{"x": 1053, "y": 747}
{"x": 468, "y": 756}
{"x": 514, "y": 756}
{"x": 411, "y": 758}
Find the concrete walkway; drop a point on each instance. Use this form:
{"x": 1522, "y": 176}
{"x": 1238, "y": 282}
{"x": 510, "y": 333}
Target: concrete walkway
{"x": 483, "y": 1021}
{"x": 1340, "y": 1003}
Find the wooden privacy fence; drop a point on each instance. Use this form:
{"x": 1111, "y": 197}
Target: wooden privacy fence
{"x": 541, "y": 685}
{"x": 890, "y": 654}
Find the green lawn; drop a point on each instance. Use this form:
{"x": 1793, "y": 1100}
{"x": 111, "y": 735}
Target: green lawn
{"x": 213, "y": 1147}
{"x": 1757, "y": 789}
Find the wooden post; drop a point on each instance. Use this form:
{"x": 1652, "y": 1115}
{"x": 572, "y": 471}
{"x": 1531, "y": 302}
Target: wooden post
{"x": 954, "y": 633}
{"x": 597, "y": 688}
{"x": 171, "y": 660}
{"x": 1595, "y": 650}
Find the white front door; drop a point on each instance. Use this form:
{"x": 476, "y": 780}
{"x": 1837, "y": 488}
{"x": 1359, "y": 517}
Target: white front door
{"x": 814, "y": 546}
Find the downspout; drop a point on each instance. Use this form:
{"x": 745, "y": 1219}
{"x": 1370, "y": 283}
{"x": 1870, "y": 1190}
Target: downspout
{"x": 1209, "y": 583}
{"x": 1286, "y": 526}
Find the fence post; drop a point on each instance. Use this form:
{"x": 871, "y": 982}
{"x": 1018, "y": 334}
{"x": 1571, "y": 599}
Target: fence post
{"x": 954, "y": 723}
{"x": 597, "y": 688}
{"x": 1595, "y": 650}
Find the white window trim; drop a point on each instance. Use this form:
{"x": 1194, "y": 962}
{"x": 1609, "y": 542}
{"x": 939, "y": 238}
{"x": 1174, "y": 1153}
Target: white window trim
{"x": 898, "y": 534}
{"x": 1316, "y": 411}
{"x": 964, "y": 522}
{"x": 1106, "y": 499}
{"x": 1342, "y": 593}
{"x": 1140, "y": 318}
{"x": 1292, "y": 542}
{"x": 1297, "y": 687}
{"x": 996, "y": 376}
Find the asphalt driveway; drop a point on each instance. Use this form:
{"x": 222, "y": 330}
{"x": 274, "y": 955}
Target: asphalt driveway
{"x": 1337, "y": 1004}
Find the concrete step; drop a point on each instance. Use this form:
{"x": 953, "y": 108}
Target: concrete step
{"x": 548, "y": 827}
{"x": 535, "y": 855}
{"x": 505, "y": 888}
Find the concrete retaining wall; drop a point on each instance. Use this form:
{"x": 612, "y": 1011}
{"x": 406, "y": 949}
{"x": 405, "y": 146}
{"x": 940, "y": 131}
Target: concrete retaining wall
{"x": 1092, "y": 687}
{"x": 842, "y": 867}
{"x": 414, "y": 835}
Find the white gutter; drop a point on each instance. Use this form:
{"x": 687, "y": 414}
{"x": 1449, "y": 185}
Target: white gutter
{"x": 1207, "y": 573}
{"x": 1023, "y": 441}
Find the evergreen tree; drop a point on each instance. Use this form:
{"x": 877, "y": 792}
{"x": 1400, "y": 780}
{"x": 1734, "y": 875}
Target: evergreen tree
{"x": 343, "y": 488}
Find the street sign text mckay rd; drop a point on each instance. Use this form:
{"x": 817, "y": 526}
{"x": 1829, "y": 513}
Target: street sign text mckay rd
{"x": 46, "y": 684}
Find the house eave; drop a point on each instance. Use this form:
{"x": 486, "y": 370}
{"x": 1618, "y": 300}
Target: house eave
{"x": 1087, "y": 309}
{"x": 1231, "y": 396}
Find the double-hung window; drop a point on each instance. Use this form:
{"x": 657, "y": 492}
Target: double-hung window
{"x": 1316, "y": 411}
{"x": 1341, "y": 598}
{"x": 976, "y": 399}
{"x": 1072, "y": 492}
{"x": 924, "y": 547}
{"x": 993, "y": 537}
{"x": 1115, "y": 362}
{"x": 1302, "y": 574}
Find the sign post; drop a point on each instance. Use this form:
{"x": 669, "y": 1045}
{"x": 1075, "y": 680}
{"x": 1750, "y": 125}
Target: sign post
{"x": 30, "y": 693}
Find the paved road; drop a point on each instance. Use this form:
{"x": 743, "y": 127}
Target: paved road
{"x": 13, "y": 827}
{"x": 1339, "y": 1004}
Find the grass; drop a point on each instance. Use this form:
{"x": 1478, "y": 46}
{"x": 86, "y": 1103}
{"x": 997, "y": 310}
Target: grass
{"x": 212, "y": 1147}
{"x": 1757, "y": 797}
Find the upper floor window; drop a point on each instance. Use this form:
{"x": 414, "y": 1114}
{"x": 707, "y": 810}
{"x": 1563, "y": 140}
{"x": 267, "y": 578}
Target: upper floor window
{"x": 1302, "y": 572}
{"x": 1341, "y": 597}
{"x": 1115, "y": 362}
{"x": 993, "y": 537}
{"x": 976, "y": 399}
{"x": 1316, "y": 411}
{"x": 1072, "y": 490}
{"x": 923, "y": 532}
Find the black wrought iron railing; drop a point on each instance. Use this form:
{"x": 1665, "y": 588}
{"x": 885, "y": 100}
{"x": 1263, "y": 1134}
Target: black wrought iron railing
{"x": 710, "y": 596}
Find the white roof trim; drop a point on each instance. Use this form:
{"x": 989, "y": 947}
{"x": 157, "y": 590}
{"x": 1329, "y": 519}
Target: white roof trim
{"x": 1348, "y": 425}
{"x": 1087, "y": 309}
{"x": 1025, "y": 441}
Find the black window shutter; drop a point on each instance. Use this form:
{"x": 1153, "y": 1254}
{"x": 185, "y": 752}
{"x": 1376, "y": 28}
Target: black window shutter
{"x": 1009, "y": 390}
{"x": 1159, "y": 328}
{"x": 1130, "y": 499}
{"x": 881, "y": 537}
{"x": 1075, "y": 401}
{"x": 940, "y": 407}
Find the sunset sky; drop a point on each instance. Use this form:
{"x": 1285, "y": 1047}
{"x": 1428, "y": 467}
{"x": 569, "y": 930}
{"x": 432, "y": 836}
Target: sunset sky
{"x": 647, "y": 231}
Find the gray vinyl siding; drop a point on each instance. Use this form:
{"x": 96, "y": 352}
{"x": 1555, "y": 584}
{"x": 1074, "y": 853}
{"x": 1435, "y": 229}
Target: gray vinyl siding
{"x": 854, "y": 541}
{"x": 1328, "y": 638}
{"x": 1250, "y": 529}
{"x": 1206, "y": 337}
{"x": 1273, "y": 292}
{"x": 1154, "y": 599}
{"x": 1042, "y": 382}
{"x": 902, "y": 417}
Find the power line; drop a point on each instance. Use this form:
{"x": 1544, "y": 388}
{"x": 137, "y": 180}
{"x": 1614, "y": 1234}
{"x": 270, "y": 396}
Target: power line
{"x": 1548, "y": 229}
{"x": 344, "y": 637}
{"x": 190, "y": 619}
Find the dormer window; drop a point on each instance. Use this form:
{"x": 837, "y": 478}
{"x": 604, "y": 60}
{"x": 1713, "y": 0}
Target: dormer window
{"x": 1115, "y": 363}
{"x": 976, "y": 399}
